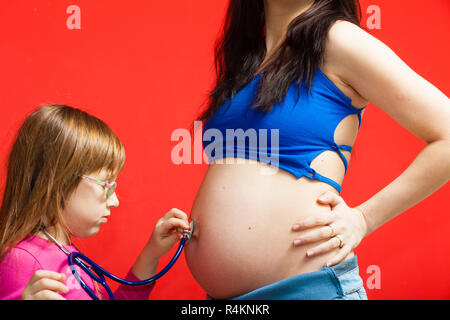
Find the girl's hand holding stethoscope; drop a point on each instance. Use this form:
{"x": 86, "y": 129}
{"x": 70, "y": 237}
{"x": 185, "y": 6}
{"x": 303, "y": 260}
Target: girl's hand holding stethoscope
{"x": 345, "y": 228}
{"x": 167, "y": 232}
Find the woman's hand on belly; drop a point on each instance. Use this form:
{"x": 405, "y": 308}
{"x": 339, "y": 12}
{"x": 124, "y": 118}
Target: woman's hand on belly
{"x": 344, "y": 227}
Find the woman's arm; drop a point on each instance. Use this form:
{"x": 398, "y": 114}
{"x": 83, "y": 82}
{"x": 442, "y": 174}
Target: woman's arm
{"x": 427, "y": 173}
{"x": 381, "y": 77}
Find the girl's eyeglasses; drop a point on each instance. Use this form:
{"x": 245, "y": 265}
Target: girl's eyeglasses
{"x": 110, "y": 187}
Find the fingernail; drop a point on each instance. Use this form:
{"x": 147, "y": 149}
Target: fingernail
{"x": 297, "y": 242}
{"x": 310, "y": 253}
{"x": 323, "y": 198}
{"x": 296, "y": 226}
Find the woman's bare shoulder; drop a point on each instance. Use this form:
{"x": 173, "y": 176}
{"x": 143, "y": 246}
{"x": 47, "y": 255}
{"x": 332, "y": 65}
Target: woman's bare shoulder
{"x": 333, "y": 68}
{"x": 380, "y": 76}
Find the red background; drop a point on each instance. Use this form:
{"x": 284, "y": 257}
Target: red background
{"x": 145, "y": 68}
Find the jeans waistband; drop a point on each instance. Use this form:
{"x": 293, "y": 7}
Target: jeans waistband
{"x": 345, "y": 266}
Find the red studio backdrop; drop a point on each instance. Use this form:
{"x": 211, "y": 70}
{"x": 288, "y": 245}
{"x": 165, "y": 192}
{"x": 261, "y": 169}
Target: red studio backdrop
{"x": 145, "y": 68}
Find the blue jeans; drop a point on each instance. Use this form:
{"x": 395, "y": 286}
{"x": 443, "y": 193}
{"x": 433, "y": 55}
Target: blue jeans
{"x": 338, "y": 282}
{"x": 347, "y": 273}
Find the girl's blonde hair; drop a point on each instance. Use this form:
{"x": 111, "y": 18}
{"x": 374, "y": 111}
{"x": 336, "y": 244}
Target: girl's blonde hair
{"x": 53, "y": 147}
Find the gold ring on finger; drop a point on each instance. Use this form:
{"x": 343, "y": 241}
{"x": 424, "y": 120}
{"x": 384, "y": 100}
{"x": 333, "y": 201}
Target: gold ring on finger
{"x": 341, "y": 243}
{"x": 332, "y": 234}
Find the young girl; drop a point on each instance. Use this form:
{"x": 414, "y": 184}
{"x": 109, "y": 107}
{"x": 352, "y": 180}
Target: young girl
{"x": 60, "y": 183}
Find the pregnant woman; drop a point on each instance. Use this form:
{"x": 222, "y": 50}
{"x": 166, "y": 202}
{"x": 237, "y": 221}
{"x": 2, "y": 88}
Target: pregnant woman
{"x": 297, "y": 74}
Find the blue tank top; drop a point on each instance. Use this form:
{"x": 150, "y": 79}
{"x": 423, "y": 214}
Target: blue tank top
{"x": 302, "y": 124}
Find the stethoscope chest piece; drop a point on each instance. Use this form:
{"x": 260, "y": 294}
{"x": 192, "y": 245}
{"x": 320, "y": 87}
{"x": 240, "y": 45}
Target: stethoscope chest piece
{"x": 188, "y": 233}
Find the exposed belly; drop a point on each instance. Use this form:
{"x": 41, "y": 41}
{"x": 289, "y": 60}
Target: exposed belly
{"x": 243, "y": 238}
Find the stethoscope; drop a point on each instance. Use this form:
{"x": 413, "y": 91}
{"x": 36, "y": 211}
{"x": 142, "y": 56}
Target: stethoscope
{"x": 77, "y": 258}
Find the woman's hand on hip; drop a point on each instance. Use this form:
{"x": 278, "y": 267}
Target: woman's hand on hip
{"x": 344, "y": 227}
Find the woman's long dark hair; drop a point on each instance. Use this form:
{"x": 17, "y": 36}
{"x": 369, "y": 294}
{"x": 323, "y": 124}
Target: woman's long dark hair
{"x": 241, "y": 49}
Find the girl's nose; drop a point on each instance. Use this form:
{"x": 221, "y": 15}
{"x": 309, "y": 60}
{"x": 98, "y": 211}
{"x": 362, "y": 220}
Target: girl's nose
{"x": 113, "y": 202}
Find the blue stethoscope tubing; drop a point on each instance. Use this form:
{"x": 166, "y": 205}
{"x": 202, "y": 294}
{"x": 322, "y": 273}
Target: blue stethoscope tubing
{"x": 75, "y": 258}
{"x": 98, "y": 274}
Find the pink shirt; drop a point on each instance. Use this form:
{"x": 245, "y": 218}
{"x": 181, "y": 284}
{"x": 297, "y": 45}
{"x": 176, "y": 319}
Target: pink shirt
{"x": 35, "y": 253}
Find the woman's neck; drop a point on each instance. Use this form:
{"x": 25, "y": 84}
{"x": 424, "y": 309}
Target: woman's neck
{"x": 278, "y": 14}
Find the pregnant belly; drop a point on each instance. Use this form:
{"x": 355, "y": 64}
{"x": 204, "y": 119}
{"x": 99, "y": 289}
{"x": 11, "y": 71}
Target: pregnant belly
{"x": 243, "y": 239}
